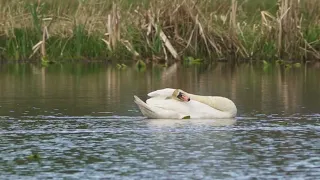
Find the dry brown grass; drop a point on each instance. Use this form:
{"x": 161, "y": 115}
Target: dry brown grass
{"x": 169, "y": 29}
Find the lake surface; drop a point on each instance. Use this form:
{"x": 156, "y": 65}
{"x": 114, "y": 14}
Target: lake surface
{"x": 82, "y": 122}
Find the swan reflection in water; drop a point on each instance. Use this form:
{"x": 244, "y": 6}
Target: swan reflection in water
{"x": 193, "y": 122}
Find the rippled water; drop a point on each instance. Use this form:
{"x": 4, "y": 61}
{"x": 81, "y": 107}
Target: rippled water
{"x": 84, "y": 125}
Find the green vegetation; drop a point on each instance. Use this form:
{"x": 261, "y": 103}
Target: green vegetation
{"x": 159, "y": 30}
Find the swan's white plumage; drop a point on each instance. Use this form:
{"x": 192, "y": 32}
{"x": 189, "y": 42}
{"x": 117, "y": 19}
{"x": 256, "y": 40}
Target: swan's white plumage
{"x": 167, "y": 92}
{"x": 159, "y": 106}
{"x": 155, "y": 112}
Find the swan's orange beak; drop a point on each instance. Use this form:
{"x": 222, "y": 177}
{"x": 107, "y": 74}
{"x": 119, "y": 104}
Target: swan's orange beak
{"x": 183, "y": 97}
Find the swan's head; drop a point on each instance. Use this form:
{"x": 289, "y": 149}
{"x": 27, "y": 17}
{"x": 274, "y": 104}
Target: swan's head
{"x": 181, "y": 96}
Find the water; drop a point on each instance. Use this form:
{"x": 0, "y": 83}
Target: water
{"x": 82, "y": 122}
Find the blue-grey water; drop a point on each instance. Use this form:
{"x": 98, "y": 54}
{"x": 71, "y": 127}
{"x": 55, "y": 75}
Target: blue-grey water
{"x": 81, "y": 122}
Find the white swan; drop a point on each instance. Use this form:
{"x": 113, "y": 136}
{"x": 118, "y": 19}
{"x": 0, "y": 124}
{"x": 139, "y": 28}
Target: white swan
{"x": 176, "y": 104}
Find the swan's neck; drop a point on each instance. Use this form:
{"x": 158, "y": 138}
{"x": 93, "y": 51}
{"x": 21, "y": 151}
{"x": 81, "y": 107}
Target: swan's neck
{"x": 220, "y": 103}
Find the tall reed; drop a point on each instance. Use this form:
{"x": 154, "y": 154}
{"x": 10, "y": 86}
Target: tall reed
{"x": 159, "y": 30}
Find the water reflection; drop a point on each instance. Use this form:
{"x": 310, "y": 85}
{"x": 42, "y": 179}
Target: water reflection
{"x": 191, "y": 122}
{"x": 82, "y": 121}
{"x": 84, "y": 89}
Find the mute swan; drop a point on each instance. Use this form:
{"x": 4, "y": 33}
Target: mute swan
{"x": 171, "y": 103}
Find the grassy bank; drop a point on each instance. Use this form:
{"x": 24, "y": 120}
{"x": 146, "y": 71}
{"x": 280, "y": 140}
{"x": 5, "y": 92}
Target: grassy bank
{"x": 160, "y": 30}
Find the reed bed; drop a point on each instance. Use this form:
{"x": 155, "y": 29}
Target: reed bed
{"x": 160, "y": 30}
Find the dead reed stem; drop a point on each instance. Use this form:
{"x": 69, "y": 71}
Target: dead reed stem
{"x": 113, "y": 27}
{"x": 288, "y": 28}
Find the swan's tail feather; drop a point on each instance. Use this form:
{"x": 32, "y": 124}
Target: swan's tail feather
{"x": 145, "y": 109}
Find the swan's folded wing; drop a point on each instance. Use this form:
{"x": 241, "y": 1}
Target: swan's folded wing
{"x": 153, "y": 112}
{"x": 167, "y": 92}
